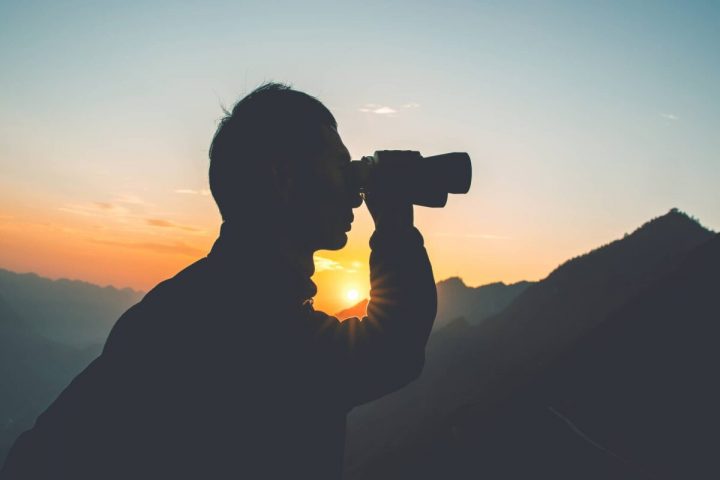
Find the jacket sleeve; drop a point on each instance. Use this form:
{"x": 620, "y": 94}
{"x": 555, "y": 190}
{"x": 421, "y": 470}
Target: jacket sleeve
{"x": 385, "y": 350}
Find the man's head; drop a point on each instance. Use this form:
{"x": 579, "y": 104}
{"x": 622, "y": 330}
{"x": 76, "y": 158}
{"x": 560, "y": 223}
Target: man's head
{"x": 277, "y": 159}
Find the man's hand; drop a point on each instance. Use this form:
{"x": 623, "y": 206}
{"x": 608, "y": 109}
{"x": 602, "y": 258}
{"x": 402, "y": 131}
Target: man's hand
{"x": 389, "y": 212}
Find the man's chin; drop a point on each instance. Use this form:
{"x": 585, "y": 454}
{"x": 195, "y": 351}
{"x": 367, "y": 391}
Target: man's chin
{"x": 336, "y": 242}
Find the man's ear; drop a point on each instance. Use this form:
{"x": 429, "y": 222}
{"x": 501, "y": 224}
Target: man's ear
{"x": 282, "y": 182}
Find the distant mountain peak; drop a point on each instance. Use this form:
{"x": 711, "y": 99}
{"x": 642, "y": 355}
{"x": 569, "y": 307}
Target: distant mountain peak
{"x": 69, "y": 282}
{"x": 73, "y": 312}
{"x": 673, "y": 219}
{"x": 358, "y": 310}
{"x": 673, "y": 232}
{"x": 452, "y": 282}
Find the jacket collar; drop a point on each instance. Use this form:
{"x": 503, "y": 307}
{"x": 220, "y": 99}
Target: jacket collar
{"x": 265, "y": 254}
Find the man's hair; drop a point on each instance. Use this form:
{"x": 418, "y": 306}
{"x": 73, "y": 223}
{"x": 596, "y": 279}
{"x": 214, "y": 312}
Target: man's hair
{"x": 273, "y": 123}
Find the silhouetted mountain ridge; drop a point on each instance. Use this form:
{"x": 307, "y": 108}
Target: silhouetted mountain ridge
{"x": 636, "y": 398}
{"x": 73, "y": 312}
{"x": 455, "y": 299}
{"x": 475, "y": 304}
{"x": 580, "y": 293}
{"x": 491, "y": 363}
{"x": 674, "y": 230}
{"x": 33, "y": 370}
{"x": 49, "y": 331}
{"x": 505, "y": 361}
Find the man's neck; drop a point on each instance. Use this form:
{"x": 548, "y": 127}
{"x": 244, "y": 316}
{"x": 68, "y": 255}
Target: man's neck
{"x": 299, "y": 255}
{"x": 278, "y": 239}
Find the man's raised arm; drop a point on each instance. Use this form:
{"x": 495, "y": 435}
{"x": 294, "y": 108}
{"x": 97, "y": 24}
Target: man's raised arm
{"x": 385, "y": 350}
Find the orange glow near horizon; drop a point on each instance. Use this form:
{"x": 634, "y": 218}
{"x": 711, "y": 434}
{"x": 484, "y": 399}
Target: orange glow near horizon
{"x": 122, "y": 245}
{"x": 576, "y": 136}
{"x": 137, "y": 240}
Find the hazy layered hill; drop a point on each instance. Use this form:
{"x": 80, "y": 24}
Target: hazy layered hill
{"x": 457, "y": 300}
{"x": 29, "y": 363}
{"x": 49, "y": 331}
{"x": 485, "y": 365}
{"x": 67, "y": 311}
{"x": 33, "y": 371}
{"x": 474, "y": 304}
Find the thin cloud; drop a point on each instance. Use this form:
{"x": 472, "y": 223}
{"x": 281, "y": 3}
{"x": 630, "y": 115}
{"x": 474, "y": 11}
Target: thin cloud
{"x": 486, "y": 236}
{"x": 159, "y": 222}
{"x": 669, "y": 116}
{"x": 130, "y": 199}
{"x": 131, "y": 220}
{"x": 377, "y": 109}
{"x": 189, "y": 191}
{"x": 122, "y": 206}
{"x": 95, "y": 209}
{"x": 354, "y": 267}
{"x": 323, "y": 264}
{"x": 483, "y": 236}
{"x": 384, "y": 111}
{"x": 176, "y": 248}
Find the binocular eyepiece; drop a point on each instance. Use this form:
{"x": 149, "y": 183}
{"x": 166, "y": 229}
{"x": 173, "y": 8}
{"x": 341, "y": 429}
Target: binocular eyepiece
{"x": 425, "y": 181}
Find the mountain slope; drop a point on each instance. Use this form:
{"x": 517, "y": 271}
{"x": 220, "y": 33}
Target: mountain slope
{"x": 67, "y": 311}
{"x": 645, "y": 382}
{"x": 484, "y": 365}
{"x": 475, "y": 304}
{"x": 576, "y": 297}
{"x": 33, "y": 371}
{"x": 636, "y": 398}
{"x": 455, "y": 299}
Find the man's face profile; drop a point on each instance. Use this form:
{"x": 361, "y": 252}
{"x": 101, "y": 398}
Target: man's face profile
{"x": 320, "y": 201}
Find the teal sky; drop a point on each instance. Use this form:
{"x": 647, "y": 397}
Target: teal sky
{"x": 583, "y": 119}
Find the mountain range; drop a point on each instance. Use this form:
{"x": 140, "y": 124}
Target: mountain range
{"x": 604, "y": 369}
{"x": 456, "y": 300}
{"x": 49, "y": 331}
{"x": 71, "y": 312}
{"x": 33, "y": 370}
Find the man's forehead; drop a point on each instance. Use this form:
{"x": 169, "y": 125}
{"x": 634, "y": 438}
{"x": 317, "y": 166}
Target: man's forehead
{"x": 335, "y": 145}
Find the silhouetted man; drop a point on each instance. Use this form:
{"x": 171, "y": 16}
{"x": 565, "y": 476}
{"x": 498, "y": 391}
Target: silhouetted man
{"x": 226, "y": 370}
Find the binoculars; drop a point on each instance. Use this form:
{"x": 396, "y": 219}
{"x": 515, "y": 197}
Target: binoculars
{"x": 425, "y": 181}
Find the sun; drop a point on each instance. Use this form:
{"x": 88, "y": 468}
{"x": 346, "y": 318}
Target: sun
{"x": 353, "y": 295}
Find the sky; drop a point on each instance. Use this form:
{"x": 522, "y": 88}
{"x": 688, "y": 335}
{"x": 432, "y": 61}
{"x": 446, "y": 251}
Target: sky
{"x": 583, "y": 120}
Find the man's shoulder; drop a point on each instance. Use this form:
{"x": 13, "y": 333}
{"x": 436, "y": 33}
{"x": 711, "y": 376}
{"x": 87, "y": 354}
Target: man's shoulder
{"x": 194, "y": 277}
{"x": 166, "y": 304}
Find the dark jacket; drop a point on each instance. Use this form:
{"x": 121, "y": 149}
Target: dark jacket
{"x": 226, "y": 371}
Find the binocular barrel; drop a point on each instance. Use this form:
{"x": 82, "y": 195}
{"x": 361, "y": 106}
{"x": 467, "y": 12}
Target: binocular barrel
{"x": 425, "y": 181}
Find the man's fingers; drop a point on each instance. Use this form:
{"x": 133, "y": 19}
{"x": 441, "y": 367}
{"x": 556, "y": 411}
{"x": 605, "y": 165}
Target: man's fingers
{"x": 389, "y": 210}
